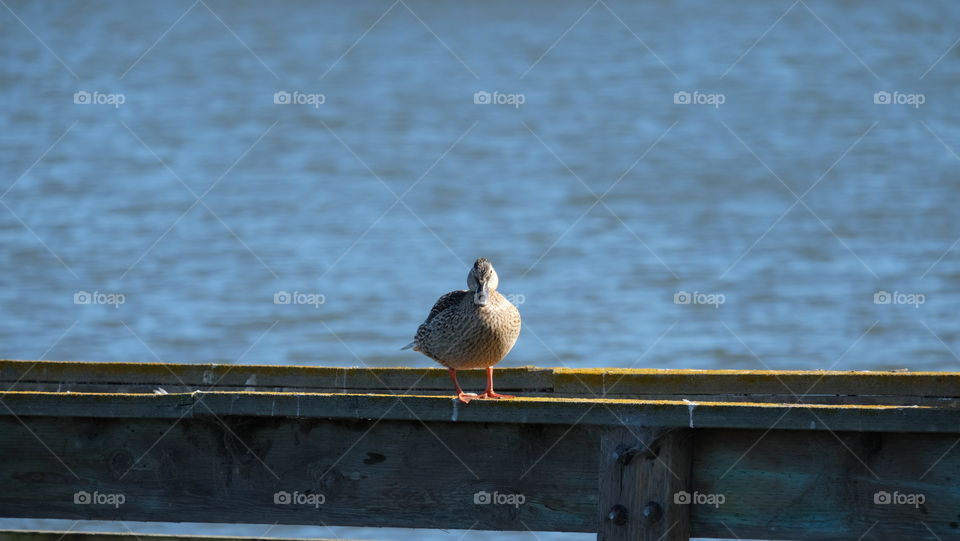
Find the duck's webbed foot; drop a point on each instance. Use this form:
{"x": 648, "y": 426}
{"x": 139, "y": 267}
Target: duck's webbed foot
{"x": 491, "y": 394}
{"x": 466, "y": 397}
{"x": 462, "y": 396}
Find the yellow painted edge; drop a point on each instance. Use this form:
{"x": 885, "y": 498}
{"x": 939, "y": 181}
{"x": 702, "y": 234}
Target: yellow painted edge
{"x": 520, "y": 399}
{"x": 772, "y": 373}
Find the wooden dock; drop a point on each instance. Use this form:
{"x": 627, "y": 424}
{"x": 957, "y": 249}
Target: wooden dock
{"x": 628, "y": 454}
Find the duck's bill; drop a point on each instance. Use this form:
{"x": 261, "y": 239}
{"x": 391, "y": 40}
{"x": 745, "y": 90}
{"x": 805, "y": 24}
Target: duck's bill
{"x": 482, "y": 296}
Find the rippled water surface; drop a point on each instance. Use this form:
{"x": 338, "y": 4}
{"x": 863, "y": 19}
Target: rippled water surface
{"x": 599, "y": 199}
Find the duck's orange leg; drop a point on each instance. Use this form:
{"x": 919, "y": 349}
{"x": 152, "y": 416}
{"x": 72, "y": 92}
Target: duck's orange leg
{"x": 489, "y": 392}
{"x": 464, "y": 397}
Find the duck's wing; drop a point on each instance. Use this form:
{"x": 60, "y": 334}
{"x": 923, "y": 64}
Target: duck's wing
{"x": 446, "y": 301}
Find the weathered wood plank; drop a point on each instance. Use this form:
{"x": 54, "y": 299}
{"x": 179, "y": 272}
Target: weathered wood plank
{"x": 37, "y": 535}
{"x": 299, "y": 471}
{"x": 775, "y": 484}
{"x": 876, "y": 400}
{"x": 641, "y": 472}
{"x": 607, "y": 382}
{"x": 828, "y": 486}
{"x": 144, "y": 377}
{"x": 234, "y": 440}
{"x": 747, "y": 382}
{"x": 523, "y": 410}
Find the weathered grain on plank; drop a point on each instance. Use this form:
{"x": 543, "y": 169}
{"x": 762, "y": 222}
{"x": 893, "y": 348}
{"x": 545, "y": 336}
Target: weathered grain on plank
{"x": 144, "y": 377}
{"x": 641, "y": 472}
{"x": 614, "y": 383}
{"x": 230, "y": 469}
{"x": 781, "y": 382}
{"x": 827, "y": 486}
{"x": 785, "y": 469}
{"x": 775, "y": 484}
{"x": 38, "y": 535}
{"x": 876, "y": 400}
{"x": 521, "y": 410}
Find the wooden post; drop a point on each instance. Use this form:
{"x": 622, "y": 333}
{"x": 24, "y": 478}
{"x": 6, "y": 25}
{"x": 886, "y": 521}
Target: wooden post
{"x": 641, "y": 472}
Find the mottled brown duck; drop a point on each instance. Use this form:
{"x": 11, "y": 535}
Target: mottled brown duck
{"x": 473, "y": 328}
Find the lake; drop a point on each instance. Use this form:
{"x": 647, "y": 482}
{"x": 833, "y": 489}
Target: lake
{"x": 659, "y": 184}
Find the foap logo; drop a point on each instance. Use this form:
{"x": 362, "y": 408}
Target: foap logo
{"x": 896, "y": 498}
{"x": 909, "y": 299}
{"x": 516, "y": 298}
{"x": 883, "y": 97}
{"x": 699, "y": 98}
{"x": 483, "y": 97}
{"x": 109, "y": 299}
{"x": 299, "y": 498}
{"x": 496, "y": 498}
{"x": 710, "y": 299}
{"x": 297, "y": 297}
{"x": 685, "y": 498}
{"x": 98, "y": 498}
{"x": 83, "y": 97}
{"x": 282, "y": 97}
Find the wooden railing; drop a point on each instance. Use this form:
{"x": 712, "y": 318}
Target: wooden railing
{"x": 630, "y": 454}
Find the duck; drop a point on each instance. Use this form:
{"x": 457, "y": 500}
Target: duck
{"x": 470, "y": 328}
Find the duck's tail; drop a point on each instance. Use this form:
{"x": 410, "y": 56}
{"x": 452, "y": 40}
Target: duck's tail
{"x": 408, "y": 346}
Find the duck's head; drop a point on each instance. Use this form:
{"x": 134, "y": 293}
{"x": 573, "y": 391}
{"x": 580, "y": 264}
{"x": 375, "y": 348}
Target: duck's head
{"x": 481, "y": 281}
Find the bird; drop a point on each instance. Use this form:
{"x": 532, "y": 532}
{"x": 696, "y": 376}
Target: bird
{"x": 472, "y": 328}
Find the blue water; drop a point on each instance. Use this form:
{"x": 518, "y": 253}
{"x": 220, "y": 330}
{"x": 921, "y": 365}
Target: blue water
{"x": 699, "y": 198}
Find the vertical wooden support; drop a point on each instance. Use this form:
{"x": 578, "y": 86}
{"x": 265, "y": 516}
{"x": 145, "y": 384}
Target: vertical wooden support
{"x": 641, "y": 471}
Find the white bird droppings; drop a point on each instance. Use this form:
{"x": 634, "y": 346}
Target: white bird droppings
{"x": 690, "y": 407}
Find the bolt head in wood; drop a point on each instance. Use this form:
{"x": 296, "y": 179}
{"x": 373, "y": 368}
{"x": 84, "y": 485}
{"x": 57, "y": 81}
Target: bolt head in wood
{"x": 652, "y": 513}
{"x": 617, "y": 515}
